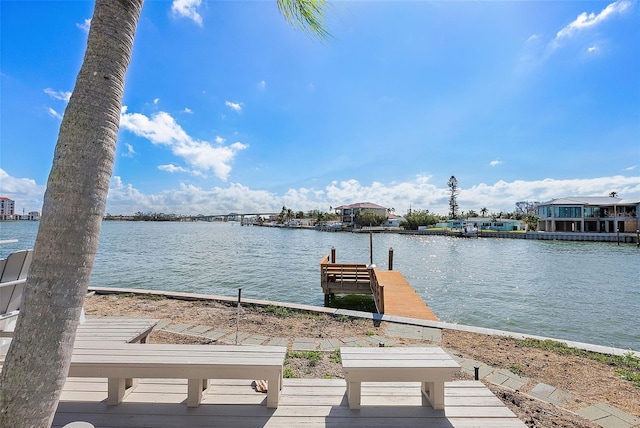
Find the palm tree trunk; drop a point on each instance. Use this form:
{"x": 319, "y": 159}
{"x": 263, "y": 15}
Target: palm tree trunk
{"x": 38, "y": 360}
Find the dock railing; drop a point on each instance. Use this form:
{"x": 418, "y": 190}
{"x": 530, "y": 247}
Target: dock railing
{"x": 378, "y": 292}
{"x": 344, "y": 278}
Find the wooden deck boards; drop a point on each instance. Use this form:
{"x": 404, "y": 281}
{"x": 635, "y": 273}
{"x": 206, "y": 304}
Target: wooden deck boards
{"x": 401, "y": 299}
{"x": 304, "y": 402}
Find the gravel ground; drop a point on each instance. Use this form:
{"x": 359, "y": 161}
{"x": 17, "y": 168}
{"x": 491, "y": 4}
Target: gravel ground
{"x": 588, "y": 381}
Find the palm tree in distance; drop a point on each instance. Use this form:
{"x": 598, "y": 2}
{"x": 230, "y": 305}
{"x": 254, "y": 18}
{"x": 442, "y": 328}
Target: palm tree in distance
{"x": 453, "y": 203}
{"x": 37, "y": 363}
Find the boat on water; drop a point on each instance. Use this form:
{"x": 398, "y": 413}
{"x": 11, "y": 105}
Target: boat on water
{"x": 469, "y": 231}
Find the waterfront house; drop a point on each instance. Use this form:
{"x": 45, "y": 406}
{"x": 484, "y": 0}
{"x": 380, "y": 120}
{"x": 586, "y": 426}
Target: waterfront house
{"x": 348, "y": 213}
{"x": 589, "y": 214}
{"x": 393, "y": 221}
{"x": 482, "y": 223}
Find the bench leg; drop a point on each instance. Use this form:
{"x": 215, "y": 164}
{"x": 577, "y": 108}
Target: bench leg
{"x": 354, "y": 391}
{"x": 195, "y": 390}
{"x": 433, "y": 392}
{"x": 118, "y": 388}
{"x": 274, "y": 385}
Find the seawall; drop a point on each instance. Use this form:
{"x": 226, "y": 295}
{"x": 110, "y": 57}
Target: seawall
{"x": 623, "y": 238}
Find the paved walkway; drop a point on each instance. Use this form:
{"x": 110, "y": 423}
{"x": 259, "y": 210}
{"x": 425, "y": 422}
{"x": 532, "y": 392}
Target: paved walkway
{"x": 602, "y": 414}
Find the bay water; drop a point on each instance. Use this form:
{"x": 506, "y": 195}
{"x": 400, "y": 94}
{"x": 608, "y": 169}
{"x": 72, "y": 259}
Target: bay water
{"x": 581, "y": 291}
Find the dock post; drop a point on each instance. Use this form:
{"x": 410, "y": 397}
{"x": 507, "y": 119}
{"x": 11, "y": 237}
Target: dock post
{"x": 390, "y": 258}
{"x": 618, "y": 235}
{"x": 370, "y": 247}
{"x": 637, "y": 238}
{"x": 333, "y": 254}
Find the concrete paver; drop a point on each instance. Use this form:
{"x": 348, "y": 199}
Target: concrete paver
{"x": 330, "y": 344}
{"x": 404, "y": 331}
{"x": 469, "y": 366}
{"x": 507, "y": 378}
{"x": 304, "y": 344}
{"x": 355, "y": 342}
{"x": 162, "y": 324}
{"x": 256, "y": 339}
{"x": 432, "y": 334}
{"x": 216, "y": 334}
{"x": 278, "y": 341}
{"x": 376, "y": 340}
{"x": 608, "y": 416}
{"x": 234, "y": 338}
{"x": 178, "y": 328}
{"x": 551, "y": 394}
{"x": 199, "y": 329}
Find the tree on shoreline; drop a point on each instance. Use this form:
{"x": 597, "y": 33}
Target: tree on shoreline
{"x": 453, "y": 191}
{"x": 36, "y": 365}
{"x": 419, "y": 218}
{"x": 370, "y": 218}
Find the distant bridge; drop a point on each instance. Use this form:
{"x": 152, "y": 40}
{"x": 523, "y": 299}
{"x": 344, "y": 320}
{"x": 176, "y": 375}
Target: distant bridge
{"x": 227, "y": 217}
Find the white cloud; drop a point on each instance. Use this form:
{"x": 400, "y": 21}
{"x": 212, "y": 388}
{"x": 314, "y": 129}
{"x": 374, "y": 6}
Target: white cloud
{"x": 162, "y": 129}
{"x": 172, "y": 168}
{"x": 262, "y": 85}
{"x": 85, "y": 25}
{"x": 536, "y": 52}
{"x": 58, "y": 95}
{"x": 54, "y": 113}
{"x": 187, "y": 9}
{"x": 187, "y": 110}
{"x": 631, "y": 168}
{"x": 25, "y": 192}
{"x": 129, "y": 152}
{"x": 156, "y": 101}
{"x": 220, "y": 140}
{"x": 234, "y": 106}
{"x": 495, "y": 162}
{"x": 418, "y": 193}
{"x": 585, "y": 21}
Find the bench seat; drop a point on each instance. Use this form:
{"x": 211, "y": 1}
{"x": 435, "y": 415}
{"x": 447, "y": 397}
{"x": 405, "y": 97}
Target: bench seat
{"x": 430, "y": 366}
{"x": 122, "y": 363}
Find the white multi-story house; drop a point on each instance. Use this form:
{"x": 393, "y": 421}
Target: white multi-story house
{"x": 589, "y": 214}
{"x": 7, "y": 208}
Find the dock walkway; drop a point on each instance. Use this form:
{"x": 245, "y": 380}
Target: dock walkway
{"x": 400, "y": 298}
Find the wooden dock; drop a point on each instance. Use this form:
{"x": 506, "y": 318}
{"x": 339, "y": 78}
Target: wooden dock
{"x": 392, "y": 293}
{"x": 398, "y": 296}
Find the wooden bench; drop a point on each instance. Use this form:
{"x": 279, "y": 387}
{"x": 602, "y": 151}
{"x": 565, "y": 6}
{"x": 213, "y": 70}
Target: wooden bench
{"x": 429, "y": 365}
{"x": 122, "y": 363}
{"x": 114, "y": 329}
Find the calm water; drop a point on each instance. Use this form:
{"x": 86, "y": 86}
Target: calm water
{"x": 588, "y": 292}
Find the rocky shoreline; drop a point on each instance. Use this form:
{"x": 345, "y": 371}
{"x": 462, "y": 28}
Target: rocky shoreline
{"x": 585, "y": 380}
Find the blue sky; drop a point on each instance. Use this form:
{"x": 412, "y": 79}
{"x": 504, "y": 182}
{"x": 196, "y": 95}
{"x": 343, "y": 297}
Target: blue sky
{"x": 227, "y": 108}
